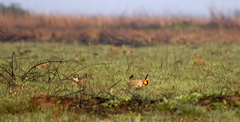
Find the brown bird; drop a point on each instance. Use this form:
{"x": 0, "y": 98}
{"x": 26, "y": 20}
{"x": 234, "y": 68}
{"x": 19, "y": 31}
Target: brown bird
{"x": 79, "y": 81}
{"x": 138, "y": 82}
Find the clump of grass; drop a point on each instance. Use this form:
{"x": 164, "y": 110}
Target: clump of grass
{"x": 189, "y": 109}
{"x": 165, "y": 106}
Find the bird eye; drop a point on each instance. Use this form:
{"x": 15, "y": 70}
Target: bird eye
{"x": 145, "y": 82}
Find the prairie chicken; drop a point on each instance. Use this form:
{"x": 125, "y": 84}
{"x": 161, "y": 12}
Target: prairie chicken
{"x": 138, "y": 82}
{"x": 79, "y": 81}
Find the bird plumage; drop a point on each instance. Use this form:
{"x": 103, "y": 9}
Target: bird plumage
{"x": 138, "y": 82}
{"x": 79, "y": 81}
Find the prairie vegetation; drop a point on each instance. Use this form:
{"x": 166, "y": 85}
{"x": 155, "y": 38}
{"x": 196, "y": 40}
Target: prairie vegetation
{"x": 192, "y": 65}
{"x": 122, "y": 30}
{"x": 186, "y": 82}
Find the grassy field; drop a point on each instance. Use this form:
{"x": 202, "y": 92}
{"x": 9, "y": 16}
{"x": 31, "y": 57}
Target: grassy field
{"x": 188, "y": 82}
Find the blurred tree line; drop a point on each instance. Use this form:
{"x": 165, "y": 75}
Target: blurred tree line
{"x": 13, "y": 9}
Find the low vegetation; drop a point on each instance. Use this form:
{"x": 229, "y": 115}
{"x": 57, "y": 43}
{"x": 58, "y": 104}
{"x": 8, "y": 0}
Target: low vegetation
{"x": 192, "y": 66}
{"x": 193, "y": 81}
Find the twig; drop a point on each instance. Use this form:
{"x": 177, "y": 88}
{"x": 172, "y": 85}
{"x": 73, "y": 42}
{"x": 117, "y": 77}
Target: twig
{"x": 176, "y": 63}
{"x": 13, "y": 78}
{"x": 86, "y": 67}
{"x": 129, "y": 65}
{"x": 114, "y": 84}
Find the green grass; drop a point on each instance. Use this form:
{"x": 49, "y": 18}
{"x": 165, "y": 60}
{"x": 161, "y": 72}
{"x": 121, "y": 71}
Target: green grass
{"x": 179, "y": 86}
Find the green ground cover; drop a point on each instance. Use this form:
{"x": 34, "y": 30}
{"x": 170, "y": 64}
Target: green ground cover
{"x": 183, "y": 86}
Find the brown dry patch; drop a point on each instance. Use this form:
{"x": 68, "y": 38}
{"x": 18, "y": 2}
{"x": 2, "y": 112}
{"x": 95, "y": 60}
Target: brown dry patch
{"x": 180, "y": 40}
{"x": 199, "y": 62}
{"x": 46, "y": 101}
{"x": 43, "y": 101}
{"x": 57, "y": 116}
{"x": 115, "y": 48}
{"x": 205, "y": 102}
{"x": 93, "y": 105}
{"x": 197, "y": 55}
{"x": 45, "y": 64}
{"x": 127, "y": 51}
{"x": 234, "y": 98}
{"x": 179, "y": 62}
{"x": 228, "y": 51}
{"x": 227, "y": 100}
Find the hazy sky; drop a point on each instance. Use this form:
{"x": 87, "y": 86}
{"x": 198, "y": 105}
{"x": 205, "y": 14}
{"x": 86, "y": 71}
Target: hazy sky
{"x": 117, "y": 7}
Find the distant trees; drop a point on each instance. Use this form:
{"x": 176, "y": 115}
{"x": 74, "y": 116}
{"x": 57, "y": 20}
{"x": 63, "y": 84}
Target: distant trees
{"x": 13, "y": 9}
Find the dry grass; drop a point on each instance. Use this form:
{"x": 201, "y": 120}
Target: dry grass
{"x": 138, "y": 30}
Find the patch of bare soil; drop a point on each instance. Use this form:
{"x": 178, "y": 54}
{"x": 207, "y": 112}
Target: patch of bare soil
{"x": 98, "y": 106}
{"x": 221, "y": 100}
{"x": 111, "y": 106}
